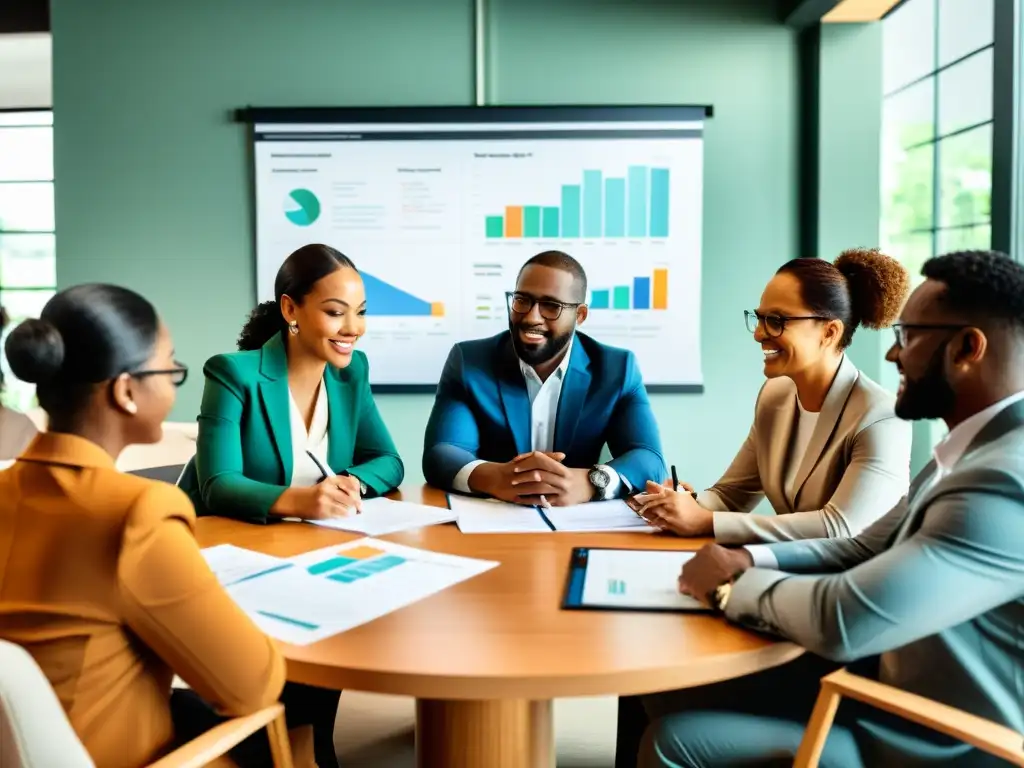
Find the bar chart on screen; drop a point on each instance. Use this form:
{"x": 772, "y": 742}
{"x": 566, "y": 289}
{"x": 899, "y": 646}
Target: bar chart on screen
{"x": 643, "y": 292}
{"x": 596, "y": 205}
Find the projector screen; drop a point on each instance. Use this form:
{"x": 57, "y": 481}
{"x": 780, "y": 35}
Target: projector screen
{"x": 440, "y": 207}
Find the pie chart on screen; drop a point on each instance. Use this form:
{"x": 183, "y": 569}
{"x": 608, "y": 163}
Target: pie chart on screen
{"x": 301, "y": 207}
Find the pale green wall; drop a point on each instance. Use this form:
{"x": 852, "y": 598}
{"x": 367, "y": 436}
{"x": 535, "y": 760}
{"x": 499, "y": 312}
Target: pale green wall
{"x": 153, "y": 179}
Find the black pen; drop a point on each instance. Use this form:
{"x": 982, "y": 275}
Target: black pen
{"x": 323, "y": 470}
{"x": 675, "y": 483}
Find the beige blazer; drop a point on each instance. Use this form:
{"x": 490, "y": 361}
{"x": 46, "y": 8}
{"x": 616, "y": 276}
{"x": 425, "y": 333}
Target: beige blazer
{"x": 855, "y": 469}
{"x": 16, "y": 432}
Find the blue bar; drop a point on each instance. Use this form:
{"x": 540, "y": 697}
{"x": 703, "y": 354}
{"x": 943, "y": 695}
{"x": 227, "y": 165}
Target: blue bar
{"x": 592, "y": 203}
{"x": 383, "y": 563}
{"x": 659, "y": 202}
{"x": 329, "y": 565}
{"x": 641, "y": 293}
{"x": 614, "y": 207}
{"x": 638, "y": 201}
{"x": 600, "y": 299}
{"x": 571, "y": 210}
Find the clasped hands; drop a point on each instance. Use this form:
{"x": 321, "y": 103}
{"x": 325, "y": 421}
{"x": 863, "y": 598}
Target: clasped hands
{"x": 534, "y": 478}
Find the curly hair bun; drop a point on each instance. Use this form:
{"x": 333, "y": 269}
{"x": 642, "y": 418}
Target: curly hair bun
{"x": 878, "y": 285}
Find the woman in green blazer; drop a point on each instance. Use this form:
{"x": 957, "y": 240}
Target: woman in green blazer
{"x": 288, "y": 427}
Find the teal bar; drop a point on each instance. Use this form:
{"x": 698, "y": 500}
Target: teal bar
{"x": 495, "y": 226}
{"x": 622, "y": 297}
{"x": 289, "y": 620}
{"x": 592, "y": 189}
{"x": 638, "y": 201}
{"x": 614, "y": 207}
{"x": 659, "y": 202}
{"x": 549, "y": 227}
{"x": 329, "y": 565}
{"x": 599, "y": 299}
{"x": 571, "y": 210}
{"x": 531, "y": 221}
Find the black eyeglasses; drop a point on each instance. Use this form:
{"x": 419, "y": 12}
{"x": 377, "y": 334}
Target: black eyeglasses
{"x": 900, "y": 329}
{"x": 774, "y": 325}
{"x": 522, "y": 303}
{"x": 178, "y": 373}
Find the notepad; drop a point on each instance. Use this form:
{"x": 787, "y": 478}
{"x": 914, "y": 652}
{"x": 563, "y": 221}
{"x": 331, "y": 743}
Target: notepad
{"x": 628, "y": 580}
{"x": 490, "y": 516}
{"x": 382, "y": 516}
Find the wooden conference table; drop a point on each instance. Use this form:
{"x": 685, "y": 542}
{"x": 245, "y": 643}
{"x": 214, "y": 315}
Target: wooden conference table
{"x": 485, "y": 658}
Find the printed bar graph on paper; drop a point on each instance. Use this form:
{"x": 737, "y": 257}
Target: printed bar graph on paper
{"x": 549, "y": 224}
{"x": 592, "y": 189}
{"x": 571, "y": 210}
{"x": 641, "y": 293}
{"x": 514, "y": 221}
{"x": 660, "y": 293}
{"x": 614, "y": 207}
{"x": 659, "y": 202}
{"x": 621, "y": 297}
{"x": 331, "y": 564}
{"x": 531, "y": 221}
{"x": 638, "y": 201}
{"x": 495, "y": 226}
{"x": 599, "y": 299}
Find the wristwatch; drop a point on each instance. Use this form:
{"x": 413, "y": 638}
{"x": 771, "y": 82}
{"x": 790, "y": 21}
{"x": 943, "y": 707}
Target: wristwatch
{"x": 600, "y": 477}
{"x": 720, "y": 596}
{"x": 362, "y": 488}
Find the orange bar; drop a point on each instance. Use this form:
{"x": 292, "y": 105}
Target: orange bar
{"x": 514, "y": 221}
{"x": 661, "y": 289}
{"x": 360, "y": 553}
{"x": 437, "y": 309}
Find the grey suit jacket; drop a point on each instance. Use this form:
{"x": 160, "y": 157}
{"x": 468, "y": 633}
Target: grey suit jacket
{"x": 936, "y": 587}
{"x": 856, "y": 467}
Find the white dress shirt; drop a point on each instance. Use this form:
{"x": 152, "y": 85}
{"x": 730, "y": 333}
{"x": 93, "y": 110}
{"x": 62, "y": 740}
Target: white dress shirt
{"x": 947, "y": 453}
{"x": 305, "y": 472}
{"x": 544, "y": 397}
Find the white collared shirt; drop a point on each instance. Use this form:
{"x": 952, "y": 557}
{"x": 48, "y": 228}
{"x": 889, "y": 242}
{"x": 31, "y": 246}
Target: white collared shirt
{"x": 947, "y": 454}
{"x": 305, "y": 472}
{"x": 544, "y": 397}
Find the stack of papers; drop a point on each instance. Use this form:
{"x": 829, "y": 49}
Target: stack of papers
{"x": 303, "y": 599}
{"x": 490, "y": 516}
{"x": 383, "y": 516}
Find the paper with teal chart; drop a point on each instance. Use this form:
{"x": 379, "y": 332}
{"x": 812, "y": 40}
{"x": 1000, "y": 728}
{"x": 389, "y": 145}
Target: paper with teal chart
{"x": 635, "y": 578}
{"x": 336, "y": 588}
{"x": 231, "y": 564}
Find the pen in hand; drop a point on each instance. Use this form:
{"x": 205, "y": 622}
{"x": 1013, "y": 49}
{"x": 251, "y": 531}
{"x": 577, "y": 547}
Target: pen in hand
{"x": 675, "y": 483}
{"x": 326, "y": 473}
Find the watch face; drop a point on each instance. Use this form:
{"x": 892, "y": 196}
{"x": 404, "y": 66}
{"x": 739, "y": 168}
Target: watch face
{"x": 599, "y": 478}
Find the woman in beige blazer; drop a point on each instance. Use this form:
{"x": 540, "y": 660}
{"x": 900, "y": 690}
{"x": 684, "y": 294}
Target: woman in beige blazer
{"x": 825, "y": 447}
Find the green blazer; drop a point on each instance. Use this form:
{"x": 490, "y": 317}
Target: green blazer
{"x": 243, "y": 459}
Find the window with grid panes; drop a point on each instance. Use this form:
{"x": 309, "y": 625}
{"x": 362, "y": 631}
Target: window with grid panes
{"x": 28, "y": 271}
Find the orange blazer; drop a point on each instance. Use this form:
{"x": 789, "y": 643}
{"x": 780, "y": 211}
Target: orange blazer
{"x": 102, "y": 581}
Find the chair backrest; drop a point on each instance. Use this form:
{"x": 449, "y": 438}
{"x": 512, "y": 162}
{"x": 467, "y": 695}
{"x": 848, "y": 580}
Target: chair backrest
{"x": 34, "y": 731}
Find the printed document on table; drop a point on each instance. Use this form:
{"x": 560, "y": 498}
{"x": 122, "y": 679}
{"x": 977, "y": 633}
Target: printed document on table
{"x": 382, "y": 516}
{"x": 334, "y": 589}
{"x": 635, "y": 578}
{"x": 490, "y": 516}
{"x": 612, "y": 515}
{"x": 231, "y": 564}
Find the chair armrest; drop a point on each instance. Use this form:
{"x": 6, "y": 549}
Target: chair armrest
{"x": 219, "y": 740}
{"x": 991, "y": 737}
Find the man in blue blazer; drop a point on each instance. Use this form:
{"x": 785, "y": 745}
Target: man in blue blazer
{"x": 523, "y": 416}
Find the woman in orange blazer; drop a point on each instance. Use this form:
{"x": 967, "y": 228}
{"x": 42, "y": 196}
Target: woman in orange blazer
{"x": 101, "y": 577}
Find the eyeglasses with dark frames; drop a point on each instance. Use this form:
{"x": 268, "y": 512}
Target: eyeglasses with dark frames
{"x": 774, "y": 325}
{"x": 522, "y": 303}
{"x": 178, "y": 374}
{"x": 900, "y": 329}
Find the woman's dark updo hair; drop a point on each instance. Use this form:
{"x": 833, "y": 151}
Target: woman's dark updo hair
{"x": 861, "y": 287}
{"x": 295, "y": 279}
{"x": 85, "y": 335}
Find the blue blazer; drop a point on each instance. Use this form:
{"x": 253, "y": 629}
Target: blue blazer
{"x": 482, "y": 411}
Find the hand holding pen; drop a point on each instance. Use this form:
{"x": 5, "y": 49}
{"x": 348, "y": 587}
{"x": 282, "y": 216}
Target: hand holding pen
{"x": 334, "y": 495}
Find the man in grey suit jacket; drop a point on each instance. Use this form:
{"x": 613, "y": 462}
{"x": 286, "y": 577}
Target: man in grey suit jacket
{"x": 930, "y": 597}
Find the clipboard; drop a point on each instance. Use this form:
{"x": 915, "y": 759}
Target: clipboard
{"x": 630, "y": 580}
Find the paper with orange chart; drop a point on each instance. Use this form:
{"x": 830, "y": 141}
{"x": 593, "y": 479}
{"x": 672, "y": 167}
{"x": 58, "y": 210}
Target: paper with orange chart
{"x": 331, "y": 590}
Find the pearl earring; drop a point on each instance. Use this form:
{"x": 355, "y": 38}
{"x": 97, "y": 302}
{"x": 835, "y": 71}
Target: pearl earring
{"x": 293, "y": 327}
{"x": 131, "y": 407}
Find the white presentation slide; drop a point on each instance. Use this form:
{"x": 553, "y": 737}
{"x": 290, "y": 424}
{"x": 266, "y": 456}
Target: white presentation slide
{"x": 439, "y": 218}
